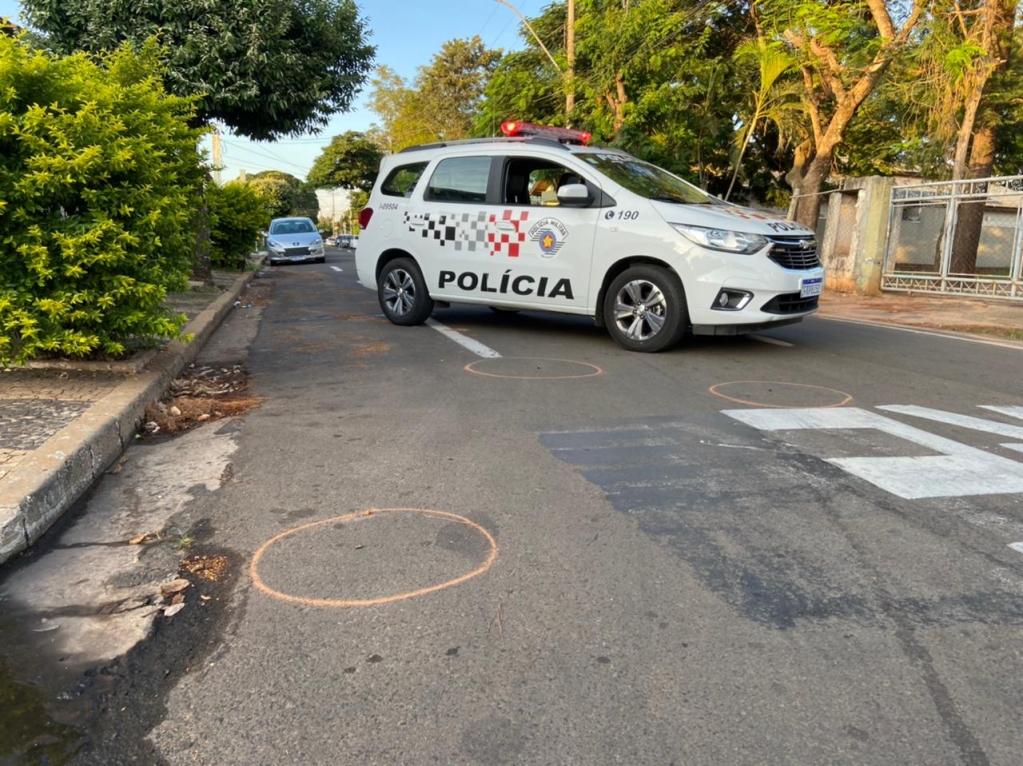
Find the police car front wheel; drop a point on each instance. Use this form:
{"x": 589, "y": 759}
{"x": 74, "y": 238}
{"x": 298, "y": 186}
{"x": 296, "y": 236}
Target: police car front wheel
{"x": 645, "y": 309}
{"x": 403, "y": 294}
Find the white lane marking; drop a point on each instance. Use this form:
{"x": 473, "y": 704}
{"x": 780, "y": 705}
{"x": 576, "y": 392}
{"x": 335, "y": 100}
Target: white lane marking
{"x": 955, "y": 419}
{"x": 336, "y": 268}
{"x": 960, "y": 469}
{"x": 773, "y": 341}
{"x": 1016, "y": 547}
{"x": 982, "y": 341}
{"x": 463, "y": 340}
{"x": 1010, "y": 410}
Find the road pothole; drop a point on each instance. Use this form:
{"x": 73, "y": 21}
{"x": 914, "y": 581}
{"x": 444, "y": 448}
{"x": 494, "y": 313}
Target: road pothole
{"x": 200, "y": 394}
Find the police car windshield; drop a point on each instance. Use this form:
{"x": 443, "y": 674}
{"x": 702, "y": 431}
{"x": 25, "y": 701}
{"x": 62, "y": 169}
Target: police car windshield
{"x": 646, "y": 180}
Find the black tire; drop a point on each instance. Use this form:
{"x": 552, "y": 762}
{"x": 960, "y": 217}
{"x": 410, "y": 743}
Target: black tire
{"x": 645, "y": 309}
{"x": 402, "y": 293}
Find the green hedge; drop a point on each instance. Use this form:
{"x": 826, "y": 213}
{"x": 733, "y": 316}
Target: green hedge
{"x": 237, "y": 216}
{"x": 99, "y": 173}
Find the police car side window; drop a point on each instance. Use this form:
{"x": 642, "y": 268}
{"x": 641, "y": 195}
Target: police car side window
{"x": 534, "y": 181}
{"x": 460, "y": 179}
{"x": 402, "y": 180}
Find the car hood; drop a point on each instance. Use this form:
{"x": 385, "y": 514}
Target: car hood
{"x": 294, "y": 240}
{"x": 729, "y": 217}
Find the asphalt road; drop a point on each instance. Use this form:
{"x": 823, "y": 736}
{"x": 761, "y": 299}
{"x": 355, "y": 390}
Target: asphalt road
{"x": 582, "y": 555}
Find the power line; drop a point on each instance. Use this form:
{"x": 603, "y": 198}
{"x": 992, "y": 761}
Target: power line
{"x": 242, "y": 148}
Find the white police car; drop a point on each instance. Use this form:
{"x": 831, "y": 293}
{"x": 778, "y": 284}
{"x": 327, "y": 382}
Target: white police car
{"x": 538, "y": 220}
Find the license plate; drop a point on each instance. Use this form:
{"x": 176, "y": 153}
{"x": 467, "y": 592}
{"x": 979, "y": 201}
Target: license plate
{"x": 808, "y": 288}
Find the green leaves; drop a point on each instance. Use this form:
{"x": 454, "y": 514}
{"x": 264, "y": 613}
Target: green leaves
{"x": 441, "y": 104}
{"x": 238, "y": 213}
{"x": 284, "y": 194}
{"x": 267, "y": 68}
{"x": 97, "y": 170}
{"x": 350, "y": 161}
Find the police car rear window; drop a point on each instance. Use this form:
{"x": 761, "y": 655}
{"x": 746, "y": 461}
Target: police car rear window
{"x": 402, "y": 180}
{"x": 460, "y": 179}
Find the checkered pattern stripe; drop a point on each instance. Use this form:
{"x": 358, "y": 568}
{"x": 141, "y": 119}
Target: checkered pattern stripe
{"x": 495, "y": 233}
{"x": 465, "y": 231}
{"x": 507, "y": 232}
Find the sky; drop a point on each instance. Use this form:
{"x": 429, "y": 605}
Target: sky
{"x": 407, "y": 33}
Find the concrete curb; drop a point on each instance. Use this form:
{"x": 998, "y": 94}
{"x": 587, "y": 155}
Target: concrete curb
{"x": 50, "y": 480}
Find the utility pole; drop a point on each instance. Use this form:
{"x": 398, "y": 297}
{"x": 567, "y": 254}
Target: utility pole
{"x": 532, "y": 31}
{"x": 568, "y": 77}
{"x": 570, "y": 74}
{"x": 218, "y": 159}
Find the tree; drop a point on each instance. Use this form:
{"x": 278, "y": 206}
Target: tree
{"x": 285, "y": 195}
{"x": 266, "y": 68}
{"x": 443, "y": 101}
{"x": 350, "y": 161}
{"x": 654, "y": 77}
{"x": 981, "y": 53}
{"x": 843, "y": 50}
{"x": 770, "y": 100}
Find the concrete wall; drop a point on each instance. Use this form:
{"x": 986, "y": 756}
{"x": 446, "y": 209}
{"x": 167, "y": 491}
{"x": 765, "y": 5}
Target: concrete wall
{"x": 852, "y": 240}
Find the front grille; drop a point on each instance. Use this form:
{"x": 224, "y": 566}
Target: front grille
{"x": 296, "y": 251}
{"x": 796, "y": 253}
{"x": 790, "y": 303}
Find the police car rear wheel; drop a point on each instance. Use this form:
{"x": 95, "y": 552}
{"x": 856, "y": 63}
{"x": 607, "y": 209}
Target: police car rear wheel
{"x": 645, "y": 309}
{"x": 402, "y": 293}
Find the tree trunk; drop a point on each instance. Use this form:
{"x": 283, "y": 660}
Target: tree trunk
{"x": 617, "y": 102}
{"x": 202, "y": 267}
{"x": 807, "y": 192}
{"x": 970, "y": 216}
{"x": 996, "y": 38}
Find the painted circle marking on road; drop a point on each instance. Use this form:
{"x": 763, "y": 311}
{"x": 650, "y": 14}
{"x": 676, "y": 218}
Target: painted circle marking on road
{"x": 359, "y": 516}
{"x": 844, "y": 398}
{"x": 591, "y": 371}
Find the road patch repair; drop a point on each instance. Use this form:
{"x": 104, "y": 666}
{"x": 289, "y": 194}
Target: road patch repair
{"x": 109, "y": 578}
{"x": 43, "y": 483}
{"x": 127, "y": 559}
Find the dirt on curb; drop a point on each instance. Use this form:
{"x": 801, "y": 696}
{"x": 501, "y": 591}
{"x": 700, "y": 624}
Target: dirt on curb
{"x": 200, "y": 394}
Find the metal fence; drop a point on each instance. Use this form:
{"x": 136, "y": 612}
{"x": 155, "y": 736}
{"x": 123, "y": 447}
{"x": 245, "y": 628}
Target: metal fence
{"x": 961, "y": 237}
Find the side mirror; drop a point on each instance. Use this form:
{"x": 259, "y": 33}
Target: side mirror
{"x": 574, "y": 195}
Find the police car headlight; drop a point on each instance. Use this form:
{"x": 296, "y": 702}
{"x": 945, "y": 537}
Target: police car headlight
{"x": 277, "y": 247}
{"x": 318, "y": 245}
{"x": 721, "y": 239}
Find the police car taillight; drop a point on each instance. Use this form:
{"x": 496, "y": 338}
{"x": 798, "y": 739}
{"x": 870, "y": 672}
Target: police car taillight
{"x": 364, "y": 215}
{"x": 565, "y": 135}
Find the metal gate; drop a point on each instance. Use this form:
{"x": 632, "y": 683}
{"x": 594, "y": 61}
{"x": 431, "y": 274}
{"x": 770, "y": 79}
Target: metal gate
{"x": 960, "y": 237}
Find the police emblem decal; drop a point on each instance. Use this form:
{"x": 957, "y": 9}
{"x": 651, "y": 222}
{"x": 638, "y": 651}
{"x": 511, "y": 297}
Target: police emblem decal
{"x": 549, "y": 234}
